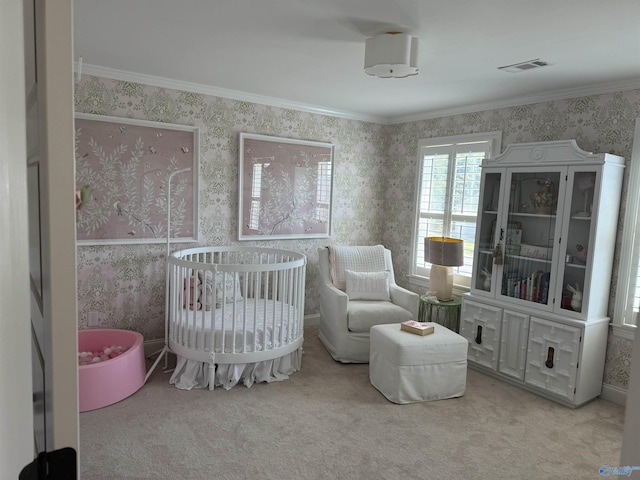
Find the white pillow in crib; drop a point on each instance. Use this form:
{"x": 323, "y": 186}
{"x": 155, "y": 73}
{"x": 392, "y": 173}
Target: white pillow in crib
{"x": 367, "y": 285}
{"x": 233, "y": 294}
{"x": 230, "y": 287}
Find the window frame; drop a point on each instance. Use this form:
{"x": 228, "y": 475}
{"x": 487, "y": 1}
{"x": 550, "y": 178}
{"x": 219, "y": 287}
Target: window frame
{"x": 420, "y": 277}
{"x": 629, "y": 249}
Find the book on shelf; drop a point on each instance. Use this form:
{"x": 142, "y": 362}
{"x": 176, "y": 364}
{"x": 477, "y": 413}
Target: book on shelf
{"x": 416, "y": 327}
{"x": 534, "y": 288}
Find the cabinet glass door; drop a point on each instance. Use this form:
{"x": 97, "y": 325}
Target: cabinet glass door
{"x": 484, "y": 276}
{"x": 528, "y": 236}
{"x": 575, "y": 262}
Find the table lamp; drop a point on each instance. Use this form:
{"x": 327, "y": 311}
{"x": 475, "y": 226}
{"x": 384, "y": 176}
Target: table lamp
{"x": 443, "y": 253}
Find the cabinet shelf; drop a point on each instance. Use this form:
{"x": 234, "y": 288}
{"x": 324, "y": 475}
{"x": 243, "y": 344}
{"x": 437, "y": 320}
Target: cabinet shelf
{"x": 532, "y": 259}
{"x": 575, "y": 265}
{"x": 532, "y": 215}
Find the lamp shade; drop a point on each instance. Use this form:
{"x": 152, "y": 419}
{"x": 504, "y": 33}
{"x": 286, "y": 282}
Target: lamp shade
{"x": 444, "y": 251}
{"x": 391, "y": 55}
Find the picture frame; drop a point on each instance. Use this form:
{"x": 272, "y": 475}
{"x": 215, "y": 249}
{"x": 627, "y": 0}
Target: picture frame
{"x": 124, "y": 170}
{"x": 512, "y": 236}
{"x": 285, "y": 188}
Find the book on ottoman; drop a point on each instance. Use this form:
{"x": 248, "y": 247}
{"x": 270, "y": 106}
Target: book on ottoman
{"x": 416, "y": 327}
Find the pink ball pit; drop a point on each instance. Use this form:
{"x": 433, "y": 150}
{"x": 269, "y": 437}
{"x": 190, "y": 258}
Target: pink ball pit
{"x": 105, "y": 383}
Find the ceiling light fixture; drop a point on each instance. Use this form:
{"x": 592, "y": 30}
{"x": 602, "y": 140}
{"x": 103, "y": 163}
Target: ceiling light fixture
{"x": 391, "y": 55}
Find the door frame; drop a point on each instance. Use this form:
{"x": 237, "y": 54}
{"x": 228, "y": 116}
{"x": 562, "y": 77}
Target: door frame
{"x": 16, "y": 422}
{"x": 58, "y": 185}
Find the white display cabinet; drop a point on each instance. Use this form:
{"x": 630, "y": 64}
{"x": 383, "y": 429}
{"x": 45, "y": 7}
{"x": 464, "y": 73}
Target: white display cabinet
{"x": 536, "y": 314}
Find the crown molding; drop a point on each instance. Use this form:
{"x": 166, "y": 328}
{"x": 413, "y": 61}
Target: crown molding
{"x": 162, "y": 82}
{"x": 564, "y": 94}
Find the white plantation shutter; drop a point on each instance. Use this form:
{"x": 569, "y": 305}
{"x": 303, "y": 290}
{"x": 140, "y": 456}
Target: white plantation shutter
{"x": 627, "y": 306}
{"x": 635, "y": 308}
{"x": 448, "y": 192}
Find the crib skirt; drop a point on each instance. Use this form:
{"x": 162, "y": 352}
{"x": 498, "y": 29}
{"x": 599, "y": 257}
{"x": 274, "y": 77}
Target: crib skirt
{"x": 190, "y": 374}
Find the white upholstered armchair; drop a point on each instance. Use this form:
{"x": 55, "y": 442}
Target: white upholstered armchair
{"x": 358, "y": 290}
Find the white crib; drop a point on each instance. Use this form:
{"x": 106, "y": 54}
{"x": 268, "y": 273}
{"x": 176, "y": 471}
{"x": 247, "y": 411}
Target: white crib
{"x": 235, "y": 314}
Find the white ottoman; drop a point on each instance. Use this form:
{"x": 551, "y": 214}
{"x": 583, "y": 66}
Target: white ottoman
{"x": 408, "y": 368}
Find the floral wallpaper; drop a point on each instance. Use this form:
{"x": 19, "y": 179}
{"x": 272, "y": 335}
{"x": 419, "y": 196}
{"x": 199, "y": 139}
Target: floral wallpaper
{"x": 125, "y": 283}
{"x": 374, "y": 180}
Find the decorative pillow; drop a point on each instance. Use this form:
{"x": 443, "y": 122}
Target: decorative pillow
{"x": 354, "y": 258}
{"x": 227, "y": 284}
{"x": 232, "y": 288}
{"x": 367, "y": 285}
{"x": 191, "y": 293}
{"x": 206, "y": 295}
{"x": 206, "y": 288}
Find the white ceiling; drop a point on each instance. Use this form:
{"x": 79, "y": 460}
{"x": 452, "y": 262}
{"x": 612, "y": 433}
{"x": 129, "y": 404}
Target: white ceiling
{"x": 309, "y": 54}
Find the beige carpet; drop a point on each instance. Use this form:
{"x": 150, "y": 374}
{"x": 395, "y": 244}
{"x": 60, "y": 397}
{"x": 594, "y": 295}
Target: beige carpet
{"x": 328, "y": 422}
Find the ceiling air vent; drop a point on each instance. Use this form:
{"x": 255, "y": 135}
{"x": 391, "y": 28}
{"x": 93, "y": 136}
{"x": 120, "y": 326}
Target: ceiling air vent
{"x": 522, "y": 66}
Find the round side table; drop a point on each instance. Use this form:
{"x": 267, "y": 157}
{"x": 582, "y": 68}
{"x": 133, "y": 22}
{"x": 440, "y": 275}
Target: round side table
{"x": 446, "y": 313}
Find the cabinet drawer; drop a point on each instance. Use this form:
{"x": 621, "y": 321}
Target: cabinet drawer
{"x": 480, "y": 325}
{"x": 513, "y": 344}
{"x": 552, "y": 357}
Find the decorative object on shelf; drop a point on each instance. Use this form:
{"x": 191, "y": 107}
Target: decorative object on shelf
{"x": 581, "y": 253}
{"x": 544, "y": 199}
{"x": 486, "y": 274}
{"x": 536, "y": 251}
{"x": 512, "y": 241}
{"x": 497, "y": 254}
{"x": 576, "y": 297}
{"x": 585, "y": 181}
{"x": 443, "y": 253}
{"x": 391, "y": 55}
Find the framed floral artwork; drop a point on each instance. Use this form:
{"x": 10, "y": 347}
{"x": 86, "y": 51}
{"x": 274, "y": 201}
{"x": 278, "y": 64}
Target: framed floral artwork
{"x": 125, "y": 171}
{"x": 285, "y": 188}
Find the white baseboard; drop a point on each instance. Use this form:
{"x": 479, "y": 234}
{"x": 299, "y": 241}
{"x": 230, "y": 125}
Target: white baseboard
{"x": 312, "y": 320}
{"x": 614, "y": 394}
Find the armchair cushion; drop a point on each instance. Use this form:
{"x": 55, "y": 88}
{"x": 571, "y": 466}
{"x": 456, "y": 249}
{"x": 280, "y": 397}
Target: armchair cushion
{"x": 367, "y": 285}
{"x": 357, "y": 259}
{"x": 363, "y": 314}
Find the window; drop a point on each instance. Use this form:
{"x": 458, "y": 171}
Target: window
{"x": 323, "y": 191}
{"x": 627, "y": 306}
{"x": 256, "y": 192}
{"x": 447, "y": 193}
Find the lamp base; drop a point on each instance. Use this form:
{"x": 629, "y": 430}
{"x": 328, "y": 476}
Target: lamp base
{"x": 441, "y": 282}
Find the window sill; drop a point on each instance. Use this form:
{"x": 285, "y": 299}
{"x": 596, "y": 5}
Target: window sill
{"x": 422, "y": 283}
{"x": 624, "y": 331}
